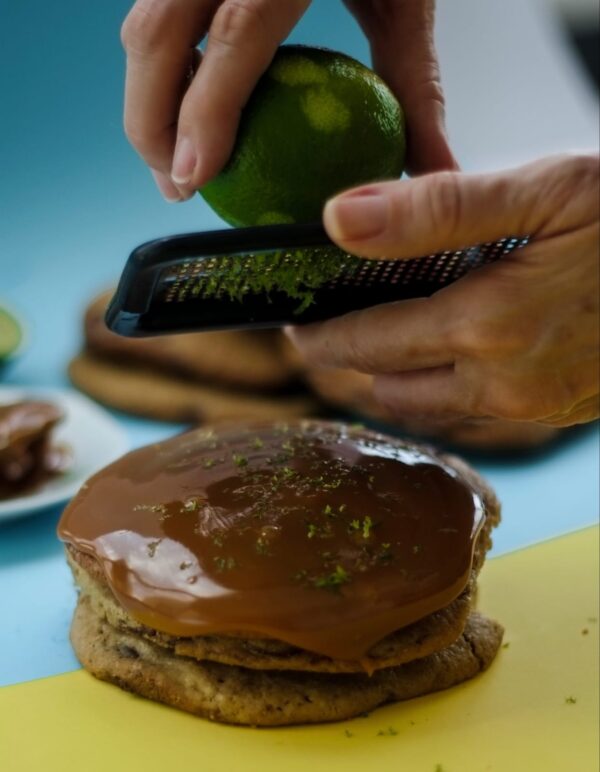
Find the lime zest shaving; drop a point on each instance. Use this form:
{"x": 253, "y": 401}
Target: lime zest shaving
{"x": 298, "y": 274}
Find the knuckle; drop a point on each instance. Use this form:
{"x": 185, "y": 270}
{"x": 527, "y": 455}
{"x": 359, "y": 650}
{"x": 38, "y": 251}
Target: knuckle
{"x": 358, "y": 353}
{"x": 143, "y": 31}
{"x": 444, "y": 200}
{"x": 152, "y": 146}
{"x": 526, "y": 400}
{"x": 585, "y": 166}
{"x": 236, "y": 22}
{"x": 488, "y": 339}
{"x": 430, "y": 88}
{"x": 566, "y": 183}
{"x": 496, "y": 328}
{"x": 501, "y": 401}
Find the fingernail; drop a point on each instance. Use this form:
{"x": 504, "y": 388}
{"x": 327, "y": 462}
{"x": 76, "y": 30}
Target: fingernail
{"x": 184, "y": 161}
{"x": 166, "y": 187}
{"x": 356, "y": 217}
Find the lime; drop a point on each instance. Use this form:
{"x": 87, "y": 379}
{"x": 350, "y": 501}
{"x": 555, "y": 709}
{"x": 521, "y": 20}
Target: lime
{"x": 318, "y": 122}
{"x": 11, "y": 334}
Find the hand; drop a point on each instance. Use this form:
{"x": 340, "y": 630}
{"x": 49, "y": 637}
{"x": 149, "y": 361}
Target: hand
{"x": 518, "y": 339}
{"x": 182, "y": 109}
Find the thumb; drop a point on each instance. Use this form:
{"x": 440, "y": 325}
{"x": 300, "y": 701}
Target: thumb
{"x": 444, "y": 211}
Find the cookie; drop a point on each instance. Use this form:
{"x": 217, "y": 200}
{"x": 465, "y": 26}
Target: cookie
{"x": 152, "y": 394}
{"x": 429, "y": 635}
{"x": 250, "y": 359}
{"x": 238, "y": 695}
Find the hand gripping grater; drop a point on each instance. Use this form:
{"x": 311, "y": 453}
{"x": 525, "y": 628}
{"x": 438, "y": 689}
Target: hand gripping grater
{"x": 200, "y": 281}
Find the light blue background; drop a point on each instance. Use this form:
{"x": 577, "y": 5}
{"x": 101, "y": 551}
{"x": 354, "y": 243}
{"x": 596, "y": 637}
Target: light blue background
{"x": 74, "y": 200}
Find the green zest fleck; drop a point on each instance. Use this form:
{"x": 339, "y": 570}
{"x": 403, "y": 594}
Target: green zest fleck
{"x": 312, "y": 530}
{"x": 570, "y": 700}
{"x": 262, "y": 546}
{"x": 348, "y": 733}
{"x": 389, "y": 732}
{"x": 208, "y": 463}
{"x": 332, "y": 581}
{"x": 191, "y": 505}
{"x": 298, "y": 274}
{"x": 240, "y": 460}
{"x": 257, "y": 443}
{"x": 224, "y": 564}
{"x": 366, "y": 527}
{"x": 152, "y": 547}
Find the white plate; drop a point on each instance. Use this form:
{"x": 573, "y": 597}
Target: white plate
{"x": 94, "y": 437}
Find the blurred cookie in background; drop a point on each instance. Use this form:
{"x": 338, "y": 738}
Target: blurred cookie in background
{"x": 248, "y": 359}
{"x": 152, "y": 394}
{"x": 352, "y": 391}
{"x": 196, "y": 378}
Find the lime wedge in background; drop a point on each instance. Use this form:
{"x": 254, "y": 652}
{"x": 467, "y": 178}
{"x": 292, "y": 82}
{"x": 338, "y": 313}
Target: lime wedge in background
{"x": 11, "y": 334}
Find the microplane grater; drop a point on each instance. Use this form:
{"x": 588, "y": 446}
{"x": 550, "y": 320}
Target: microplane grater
{"x": 183, "y": 283}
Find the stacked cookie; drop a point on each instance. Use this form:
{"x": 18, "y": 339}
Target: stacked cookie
{"x": 275, "y": 574}
{"x": 194, "y": 378}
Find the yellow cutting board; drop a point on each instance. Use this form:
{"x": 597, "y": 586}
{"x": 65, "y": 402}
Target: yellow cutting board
{"x": 535, "y": 709}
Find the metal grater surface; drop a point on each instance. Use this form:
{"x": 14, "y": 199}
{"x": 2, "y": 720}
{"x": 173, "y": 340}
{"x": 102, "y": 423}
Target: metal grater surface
{"x": 200, "y": 282}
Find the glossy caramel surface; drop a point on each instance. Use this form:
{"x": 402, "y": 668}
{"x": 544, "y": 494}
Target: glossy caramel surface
{"x": 320, "y": 535}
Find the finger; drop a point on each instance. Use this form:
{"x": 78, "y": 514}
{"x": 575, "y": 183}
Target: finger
{"x": 403, "y": 53}
{"x": 432, "y": 395}
{"x": 443, "y": 211}
{"x": 159, "y": 37}
{"x": 396, "y": 337}
{"x": 242, "y": 41}
{"x": 166, "y": 186}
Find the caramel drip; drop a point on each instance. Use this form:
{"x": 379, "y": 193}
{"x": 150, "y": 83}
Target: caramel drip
{"x": 326, "y": 537}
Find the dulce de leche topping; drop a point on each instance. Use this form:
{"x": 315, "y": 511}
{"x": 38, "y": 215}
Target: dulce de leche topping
{"x": 320, "y": 535}
{"x": 27, "y": 456}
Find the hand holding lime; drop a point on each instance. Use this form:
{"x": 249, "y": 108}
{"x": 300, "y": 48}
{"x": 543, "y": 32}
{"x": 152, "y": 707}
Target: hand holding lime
{"x": 317, "y": 123}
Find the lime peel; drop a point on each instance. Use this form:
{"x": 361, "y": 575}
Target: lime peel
{"x": 297, "y": 71}
{"x": 324, "y": 111}
{"x": 11, "y": 334}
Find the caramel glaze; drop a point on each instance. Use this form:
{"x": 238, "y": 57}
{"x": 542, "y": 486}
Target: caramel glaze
{"x": 323, "y": 536}
{"x": 27, "y": 457}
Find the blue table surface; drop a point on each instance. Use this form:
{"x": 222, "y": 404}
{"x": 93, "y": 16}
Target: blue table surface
{"x": 74, "y": 200}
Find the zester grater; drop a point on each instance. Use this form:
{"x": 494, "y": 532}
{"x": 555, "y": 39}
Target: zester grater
{"x": 202, "y": 281}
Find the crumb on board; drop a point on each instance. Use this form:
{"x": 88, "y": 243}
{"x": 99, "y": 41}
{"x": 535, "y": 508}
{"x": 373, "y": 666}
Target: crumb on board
{"x": 389, "y": 732}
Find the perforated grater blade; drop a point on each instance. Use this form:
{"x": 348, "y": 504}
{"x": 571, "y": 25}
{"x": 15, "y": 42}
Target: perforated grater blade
{"x": 202, "y": 281}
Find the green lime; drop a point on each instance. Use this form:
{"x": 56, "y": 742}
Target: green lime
{"x": 11, "y": 334}
{"x": 318, "y": 122}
